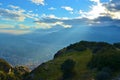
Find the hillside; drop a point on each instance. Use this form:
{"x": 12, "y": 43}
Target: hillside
{"x": 7, "y": 72}
{"x": 81, "y": 61}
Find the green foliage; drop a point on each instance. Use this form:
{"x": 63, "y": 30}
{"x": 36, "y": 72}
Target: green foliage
{"x": 84, "y": 45}
{"x": 106, "y": 58}
{"x": 51, "y": 70}
{"x": 68, "y": 69}
{"x": 11, "y": 77}
{"x": 2, "y": 76}
{"x": 7, "y": 72}
{"x": 21, "y": 71}
{"x": 104, "y": 74}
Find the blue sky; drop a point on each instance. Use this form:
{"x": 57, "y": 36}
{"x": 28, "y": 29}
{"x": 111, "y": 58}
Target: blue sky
{"x": 27, "y": 16}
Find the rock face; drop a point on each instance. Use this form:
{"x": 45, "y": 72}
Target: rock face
{"x": 5, "y": 66}
{"x": 21, "y": 70}
{"x": 7, "y": 72}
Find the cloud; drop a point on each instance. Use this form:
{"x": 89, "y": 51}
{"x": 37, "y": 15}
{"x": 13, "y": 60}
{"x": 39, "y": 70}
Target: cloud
{"x": 15, "y": 32}
{"x": 16, "y": 14}
{"x": 45, "y": 25}
{"x": 106, "y": 21}
{"x": 111, "y": 9}
{"x": 22, "y": 27}
{"x": 67, "y": 8}
{"x": 19, "y": 29}
{"x": 113, "y": 5}
{"x": 6, "y": 26}
{"x": 96, "y": 10}
{"x": 38, "y": 2}
{"x": 48, "y": 16}
{"x": 49, "y": 21}
{"x": 14, "y": 7}
{"x": 12, "y": 14}
{"x": 96, "y": 1}
{"x": 52, "y": 8}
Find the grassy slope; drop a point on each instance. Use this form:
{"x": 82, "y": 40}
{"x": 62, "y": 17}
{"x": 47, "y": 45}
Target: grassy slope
{"x": 51, "y": 70}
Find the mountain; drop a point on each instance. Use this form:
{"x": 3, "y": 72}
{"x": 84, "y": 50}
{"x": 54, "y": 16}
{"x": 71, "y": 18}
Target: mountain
{"x": 40, "y": 45}
{"x": 4, "y": 66}
{"x": 7, "y": 72}
{"x": 81, "y": 61}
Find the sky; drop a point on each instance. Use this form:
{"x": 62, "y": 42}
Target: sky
{"x": 18, "y": 17}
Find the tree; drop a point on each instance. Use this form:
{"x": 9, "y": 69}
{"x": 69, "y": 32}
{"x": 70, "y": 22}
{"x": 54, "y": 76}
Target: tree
{"x": 68, "y": 69}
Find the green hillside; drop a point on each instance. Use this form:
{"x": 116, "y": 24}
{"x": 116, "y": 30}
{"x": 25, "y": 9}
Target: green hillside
{"x": 51, "y": 70}
{"x": 81, "y": 61}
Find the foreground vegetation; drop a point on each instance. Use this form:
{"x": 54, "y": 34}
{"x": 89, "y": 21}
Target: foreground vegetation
{"x": 7, "y": 72}
{"x": 80, "y": 61}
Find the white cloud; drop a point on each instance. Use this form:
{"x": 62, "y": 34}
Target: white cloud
{"x": 51, "y": 8}
{"x": 96, "y": 10}
{"x": 114, "y": 15}
{"x": 17, "y": 14}
{"x": 67, "y": 8}
{"x": 13, "y": 7}
{"x": 38, "y": 2}
{"x": 102, "y": 9}
{"x": 48, "y": 16}
{"x": 96, "y": 1}
{"x": 44, "y": 25}
{"x": 12, "y": 14}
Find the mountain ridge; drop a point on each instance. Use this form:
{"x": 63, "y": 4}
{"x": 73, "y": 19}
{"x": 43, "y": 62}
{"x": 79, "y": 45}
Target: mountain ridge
{"x": 84, "y": 60}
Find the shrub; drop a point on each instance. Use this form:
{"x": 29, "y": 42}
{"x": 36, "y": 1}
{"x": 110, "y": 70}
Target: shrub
{"x": 102, "y": 75}
{"x": 68, "y": 69}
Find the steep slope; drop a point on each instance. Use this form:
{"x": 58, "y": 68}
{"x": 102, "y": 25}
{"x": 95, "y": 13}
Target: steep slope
{"x": 4, "y": 66}
{"x": 51, "y": 70}
{"x": 7, "y": 72}
{"x": 89, "y": 60}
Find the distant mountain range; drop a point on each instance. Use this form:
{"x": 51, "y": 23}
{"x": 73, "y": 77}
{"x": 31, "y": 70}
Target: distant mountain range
{"x": 40, "y": 46}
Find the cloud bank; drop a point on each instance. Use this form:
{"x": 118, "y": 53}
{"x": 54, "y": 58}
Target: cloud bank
{"x": 107, "y": 13}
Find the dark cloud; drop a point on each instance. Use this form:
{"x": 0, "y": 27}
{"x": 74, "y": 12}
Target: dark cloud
{"x": 114, "y": 5}
{"x": 72, "y": 22}
{"x": 107, "y": 21}
{"x": 100, "y": 21}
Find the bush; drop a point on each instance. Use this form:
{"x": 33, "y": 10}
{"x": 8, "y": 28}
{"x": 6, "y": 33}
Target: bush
{"x": 68, "y": 69}
{"x": 117, "y": 45}
{"x": 2, "y": 76}
{"x": 106, "y": 58}
{"x": 102, "y": 75}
